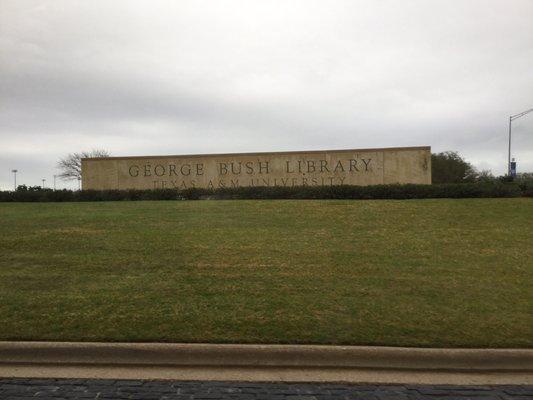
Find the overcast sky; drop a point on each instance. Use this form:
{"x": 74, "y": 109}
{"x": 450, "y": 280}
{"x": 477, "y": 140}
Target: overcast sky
{"x": 185, "y": 77}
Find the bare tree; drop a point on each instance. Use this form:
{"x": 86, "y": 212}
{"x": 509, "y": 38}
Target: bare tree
{"x": 70, "y": 166}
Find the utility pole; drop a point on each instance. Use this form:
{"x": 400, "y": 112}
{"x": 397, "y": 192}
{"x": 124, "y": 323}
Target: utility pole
{"x": 15, "y": 177}
{"x": 511, "y": 119}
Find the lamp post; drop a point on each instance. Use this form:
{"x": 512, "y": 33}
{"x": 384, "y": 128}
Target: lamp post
{"x": 79, "y": 182}
{"x": 15, "y": 177}
{"x": 511, "y": 119}
{"x": 43, "y": 182}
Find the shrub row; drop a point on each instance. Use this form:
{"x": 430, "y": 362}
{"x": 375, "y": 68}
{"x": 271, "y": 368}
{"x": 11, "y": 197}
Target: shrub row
{"x": 410, "y": 191}
{"x": 49, "y": 195}
{"x": 526, "y": 187}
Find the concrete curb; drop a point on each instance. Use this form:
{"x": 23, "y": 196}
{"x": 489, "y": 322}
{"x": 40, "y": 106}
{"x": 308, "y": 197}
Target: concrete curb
{"x": 266, "y": 362}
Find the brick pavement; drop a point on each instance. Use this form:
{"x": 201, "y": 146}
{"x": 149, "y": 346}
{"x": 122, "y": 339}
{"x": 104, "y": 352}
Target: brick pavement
{"x": 56, "y": 389}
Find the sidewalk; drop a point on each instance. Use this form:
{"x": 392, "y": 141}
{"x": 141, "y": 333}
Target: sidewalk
{"x": 23, "y": 389}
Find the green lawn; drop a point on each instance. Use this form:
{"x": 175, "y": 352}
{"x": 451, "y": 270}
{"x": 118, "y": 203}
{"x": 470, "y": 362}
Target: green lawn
{"x": 404, "y": 273}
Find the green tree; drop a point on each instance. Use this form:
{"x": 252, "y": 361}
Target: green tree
{"x": 450, "y": 167}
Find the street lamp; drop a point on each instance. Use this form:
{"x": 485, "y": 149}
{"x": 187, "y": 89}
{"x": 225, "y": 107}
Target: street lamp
{"x": 79, "y": 182}
{"x": 511, "y": 119}
{"x": 43, "y": 182}
{"x": 15, "y": 177}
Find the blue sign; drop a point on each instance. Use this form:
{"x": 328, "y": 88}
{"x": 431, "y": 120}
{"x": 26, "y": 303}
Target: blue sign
{"x": 513, "y": 169}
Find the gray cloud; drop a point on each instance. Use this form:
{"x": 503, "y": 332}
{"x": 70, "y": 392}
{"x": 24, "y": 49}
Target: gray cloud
{"x": 139, "y": 77}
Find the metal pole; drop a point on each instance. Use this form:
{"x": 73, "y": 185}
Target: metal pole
{"x": 509, "y": 154}
{"x": 511, "y": 119}
{"x": 15, "y": 177}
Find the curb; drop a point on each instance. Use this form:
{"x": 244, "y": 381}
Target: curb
{"x": 266, "y": 362}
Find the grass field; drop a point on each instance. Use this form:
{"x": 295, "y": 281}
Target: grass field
{"x": 411, "y": 273}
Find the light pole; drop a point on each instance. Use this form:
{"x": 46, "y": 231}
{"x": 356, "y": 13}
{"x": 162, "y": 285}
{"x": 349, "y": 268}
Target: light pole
{"x": 79, "y": 182}
{"x": 15, "y": 177}
{"x": 43, "y": 182}
{"x": 511, "y": 119}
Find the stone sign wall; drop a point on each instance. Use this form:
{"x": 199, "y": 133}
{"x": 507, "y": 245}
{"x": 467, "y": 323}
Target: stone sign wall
{"x": 312, "y": 168}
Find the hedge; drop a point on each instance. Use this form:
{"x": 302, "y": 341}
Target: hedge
{"x": 409, "y": 191}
